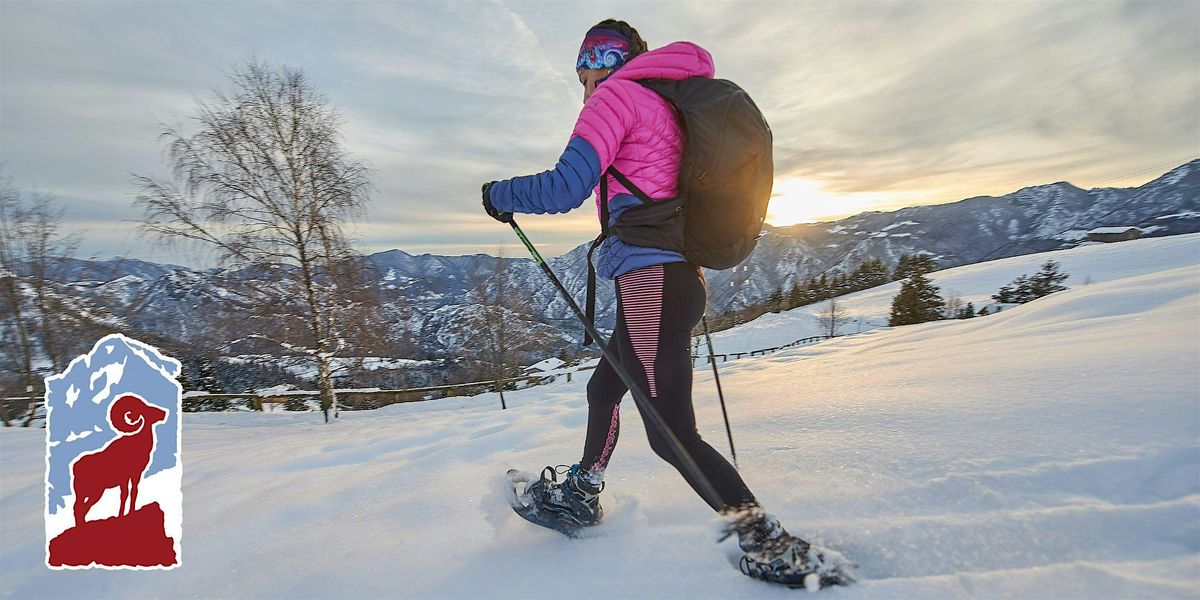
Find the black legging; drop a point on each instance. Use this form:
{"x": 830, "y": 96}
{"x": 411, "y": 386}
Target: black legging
{"x": 657, "y": 308}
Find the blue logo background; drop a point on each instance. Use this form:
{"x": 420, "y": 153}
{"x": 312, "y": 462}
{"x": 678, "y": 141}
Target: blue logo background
{"x": 77, "y": 403}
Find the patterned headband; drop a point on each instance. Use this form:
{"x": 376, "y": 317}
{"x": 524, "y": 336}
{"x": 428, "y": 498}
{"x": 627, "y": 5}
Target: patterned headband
{"x": 603, "y": 49}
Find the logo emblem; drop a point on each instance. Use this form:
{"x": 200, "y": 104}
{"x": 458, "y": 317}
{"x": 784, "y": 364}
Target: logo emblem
{"x": 113, "y": 465}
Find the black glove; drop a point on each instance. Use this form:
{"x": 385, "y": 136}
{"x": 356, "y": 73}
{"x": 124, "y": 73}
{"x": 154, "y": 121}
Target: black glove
{"x": 492, "y": 211}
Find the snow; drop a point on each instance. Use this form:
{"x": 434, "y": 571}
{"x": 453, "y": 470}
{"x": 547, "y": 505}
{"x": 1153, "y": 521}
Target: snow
{"x": 1072, "y": 235}
{"x": 900, "y": 224}
{"x": 1049, "y": 451}
{"x": 1113, "y": 229}
{"x": 305, "y": 367}
{"x": 547, "y": 365}
{"x": 1177, "y": 174}
{"x": 1191, "y": 214}
{"x": 273, "y": 390}
{"x": 372, "y": 363}
{"x": 975, "y": 283}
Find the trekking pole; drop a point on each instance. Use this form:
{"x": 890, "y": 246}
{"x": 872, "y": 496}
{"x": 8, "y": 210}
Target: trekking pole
{"x": 648, "y": 411}
{"x": 717, "y": 378}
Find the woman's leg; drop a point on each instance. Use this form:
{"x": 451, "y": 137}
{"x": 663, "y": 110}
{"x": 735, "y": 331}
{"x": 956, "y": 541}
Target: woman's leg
{"x": 604, "y": 392}
{"x": 659, "y": 306}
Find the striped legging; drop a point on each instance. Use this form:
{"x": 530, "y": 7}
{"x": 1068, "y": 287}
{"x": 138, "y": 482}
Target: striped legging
{"x": 657, "y": 307}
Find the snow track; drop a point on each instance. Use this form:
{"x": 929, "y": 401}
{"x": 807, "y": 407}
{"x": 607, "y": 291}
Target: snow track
{"x": 1050, "y": 451}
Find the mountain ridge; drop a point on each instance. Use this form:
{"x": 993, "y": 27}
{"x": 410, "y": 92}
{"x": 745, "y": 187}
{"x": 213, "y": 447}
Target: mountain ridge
{"x": 1031, "y": 219}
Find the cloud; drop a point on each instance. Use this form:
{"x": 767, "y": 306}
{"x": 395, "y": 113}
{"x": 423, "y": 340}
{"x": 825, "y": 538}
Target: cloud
{"x": 913, "y": 101}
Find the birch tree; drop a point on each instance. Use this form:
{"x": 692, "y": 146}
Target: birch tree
{"x": 831, "y": 318}
{"x": 264, "y": 182}
{"x": 35, "y": 329}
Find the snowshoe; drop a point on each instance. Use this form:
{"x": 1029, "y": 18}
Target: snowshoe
{"x": 771, "y": 554}
{"x": 566, "y": 507}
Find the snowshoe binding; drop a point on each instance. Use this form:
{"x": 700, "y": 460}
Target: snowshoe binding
{"x": 771, "y": 554}
{"x": 566, "y": 507}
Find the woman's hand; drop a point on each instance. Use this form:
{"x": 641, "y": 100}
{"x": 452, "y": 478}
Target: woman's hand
{"x": 492, "y": 211}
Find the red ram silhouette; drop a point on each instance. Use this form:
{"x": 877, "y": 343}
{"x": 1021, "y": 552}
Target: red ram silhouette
{"x": 121, "y": 462}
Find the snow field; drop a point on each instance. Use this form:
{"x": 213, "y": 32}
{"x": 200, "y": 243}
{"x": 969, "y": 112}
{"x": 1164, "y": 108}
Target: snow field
{"x": 1049, "y": 451}
{"x": 869, "y": 309}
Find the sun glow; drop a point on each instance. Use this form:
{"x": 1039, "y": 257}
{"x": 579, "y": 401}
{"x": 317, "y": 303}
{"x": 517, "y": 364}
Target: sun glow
{"x": 802, "y": 201}
{"x": 796, "y": 200}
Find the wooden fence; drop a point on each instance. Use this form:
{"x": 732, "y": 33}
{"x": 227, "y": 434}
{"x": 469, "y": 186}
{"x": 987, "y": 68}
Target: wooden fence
{"x": 355, "y": 399}
{"x": 763, "y": 352}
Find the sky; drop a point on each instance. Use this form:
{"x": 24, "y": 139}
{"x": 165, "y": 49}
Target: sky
{"x": 873, "y": 105}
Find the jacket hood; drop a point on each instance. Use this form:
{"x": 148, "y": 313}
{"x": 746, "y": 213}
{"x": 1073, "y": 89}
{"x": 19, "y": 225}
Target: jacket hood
{"x": 677, "y": 60}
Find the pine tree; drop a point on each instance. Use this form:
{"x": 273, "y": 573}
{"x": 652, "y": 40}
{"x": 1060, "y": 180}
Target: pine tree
{"x": 1005, "y": 293}
{"x": 1048, "y": 280}
{"x": 874, "y": 273}
{"x": 968, "y": 312}
{"x": 207, "y": 380}
{"x": 794, "y": 297}
{"x": 775, "y": 301}
{"x": 902, "y": 268}
{"x": 1026, "y": 288}
{"x": 919, "y": 263}
{"x": 917, "y": 302}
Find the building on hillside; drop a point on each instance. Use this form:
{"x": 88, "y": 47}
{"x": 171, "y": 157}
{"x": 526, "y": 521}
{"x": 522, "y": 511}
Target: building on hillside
{"x": 1114, "y": 234}
{"x": 545, "y": 366}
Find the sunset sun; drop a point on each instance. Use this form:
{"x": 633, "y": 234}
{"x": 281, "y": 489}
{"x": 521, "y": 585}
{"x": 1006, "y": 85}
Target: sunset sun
{"x": 797, "y": 200}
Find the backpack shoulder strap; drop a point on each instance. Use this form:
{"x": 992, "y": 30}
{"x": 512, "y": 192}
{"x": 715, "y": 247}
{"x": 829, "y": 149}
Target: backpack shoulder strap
{"x": 629, "y": 186}
{"x": 590, "y": 302}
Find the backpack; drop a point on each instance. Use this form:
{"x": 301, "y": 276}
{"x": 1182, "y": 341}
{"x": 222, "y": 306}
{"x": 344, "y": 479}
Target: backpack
{"x": 725, "y": 178}
{"x": 725, "y": 181}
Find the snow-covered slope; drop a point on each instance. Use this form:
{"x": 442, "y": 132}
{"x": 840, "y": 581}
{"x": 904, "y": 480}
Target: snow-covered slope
{"x": 868, "y": 309}
{"x": 1049, "y": 451}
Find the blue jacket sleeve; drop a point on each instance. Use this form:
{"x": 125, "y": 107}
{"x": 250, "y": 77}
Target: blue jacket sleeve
{"x": 556, "y": 191}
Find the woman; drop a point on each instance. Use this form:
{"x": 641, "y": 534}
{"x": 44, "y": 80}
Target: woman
{"x": 660, "y": 296}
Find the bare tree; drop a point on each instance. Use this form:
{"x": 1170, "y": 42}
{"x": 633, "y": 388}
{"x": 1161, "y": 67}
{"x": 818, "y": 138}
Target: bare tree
{"x": 491, "y": 319}
{"x": 503, "y": 326}
{"x": 832, "y": 318}
{"x": 265, "y": 183}
{"x": 496, "y": 322}
{"x": 35, "y": 320}
{"x": 954, "y": 306}
{"x": 17, "y": 334}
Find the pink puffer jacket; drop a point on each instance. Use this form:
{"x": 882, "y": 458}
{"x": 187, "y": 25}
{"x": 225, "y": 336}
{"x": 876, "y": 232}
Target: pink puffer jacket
{"x": 633, "y": 128}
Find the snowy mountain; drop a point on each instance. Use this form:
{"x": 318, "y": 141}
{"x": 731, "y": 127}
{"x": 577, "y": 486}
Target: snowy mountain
{"x": 78, "y": 270}
{"x": 1032, "y": 219}
{"x": 1048, "y": 451}
{"x": 423, "y": 290}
